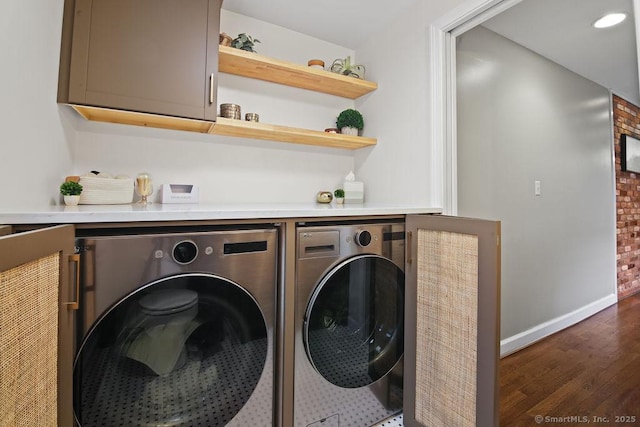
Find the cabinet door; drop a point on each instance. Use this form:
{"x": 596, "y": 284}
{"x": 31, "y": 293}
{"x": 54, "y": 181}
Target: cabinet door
{"x": 152, "y": 56}
{"x": 452, "y": 322}
{"x": 36, "y": 328}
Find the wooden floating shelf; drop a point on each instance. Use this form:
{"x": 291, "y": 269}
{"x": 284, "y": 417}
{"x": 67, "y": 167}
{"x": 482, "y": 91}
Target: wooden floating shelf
{"x": 256, "y": 66}
{"x": 109, "y": 115}
{"x": 245, "y": 129}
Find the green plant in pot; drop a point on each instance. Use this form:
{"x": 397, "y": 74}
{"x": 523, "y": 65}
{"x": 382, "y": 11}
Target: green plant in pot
{"x": 345, "y": 67}
{"x": 71, "y": 191}
{"x": 350, "y": 121}
{"x": 339, "y": 195}
{"x": 244, "y": 42}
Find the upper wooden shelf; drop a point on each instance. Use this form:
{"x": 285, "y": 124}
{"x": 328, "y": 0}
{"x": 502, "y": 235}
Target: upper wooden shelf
{"x": 256, "y": 66}
{"x": 245, "y": 129}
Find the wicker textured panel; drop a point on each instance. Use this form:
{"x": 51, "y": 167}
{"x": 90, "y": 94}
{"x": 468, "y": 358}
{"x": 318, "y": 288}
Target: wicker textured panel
{"x": 446, "y": 347}
{"x": 28, "y": 343}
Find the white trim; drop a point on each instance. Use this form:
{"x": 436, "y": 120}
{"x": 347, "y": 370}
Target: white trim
{"x": 440, "y": 177}
{"x": 443, "y": 95}
{"x": 614, "y": 249}
{"x": 538, "y": 332}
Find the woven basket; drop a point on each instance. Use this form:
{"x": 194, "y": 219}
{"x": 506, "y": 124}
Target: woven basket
{"x": 106, "y": 191}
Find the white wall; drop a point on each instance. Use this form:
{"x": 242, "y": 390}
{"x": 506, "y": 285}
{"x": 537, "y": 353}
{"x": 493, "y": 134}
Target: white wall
{"x": 235, "y": 170}
{"x": 36, "y": 144}
{"x": 523, "y": 118}
{"x": 45, "y": 142}
{"x": 402, "y": 166}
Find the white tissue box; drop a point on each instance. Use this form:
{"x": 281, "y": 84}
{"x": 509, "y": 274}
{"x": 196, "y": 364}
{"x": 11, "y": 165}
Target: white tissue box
{"x": 179, "y": 193}
{"x": 353, "y": 192}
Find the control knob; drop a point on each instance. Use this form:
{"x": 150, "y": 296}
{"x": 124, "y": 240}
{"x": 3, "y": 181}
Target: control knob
{"x": 363, "y": 238}
{"x": 185, "y": 252}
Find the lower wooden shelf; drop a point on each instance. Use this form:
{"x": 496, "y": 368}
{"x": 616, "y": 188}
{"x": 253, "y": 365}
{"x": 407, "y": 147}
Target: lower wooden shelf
{"x": 228, "y": 127}
{"x": 245, "y": 129}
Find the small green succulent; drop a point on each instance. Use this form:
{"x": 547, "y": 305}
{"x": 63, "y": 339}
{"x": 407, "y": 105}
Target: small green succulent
{"x": 70, "y": 188}
{"x": 244, "y": 42}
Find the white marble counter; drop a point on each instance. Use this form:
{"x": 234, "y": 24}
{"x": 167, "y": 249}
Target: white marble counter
{"x": 178, "y": 212}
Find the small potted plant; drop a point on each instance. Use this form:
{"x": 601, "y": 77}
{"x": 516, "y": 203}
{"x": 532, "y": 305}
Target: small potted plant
{"x": 244, "y": 42}
{"x": 339, "y": 193}
{"x": 349, "y": 122}
{"x": 71, "y": 191}
{"x": 345, "y": 67}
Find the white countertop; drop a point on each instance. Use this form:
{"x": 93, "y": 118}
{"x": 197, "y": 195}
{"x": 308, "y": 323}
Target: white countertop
{"x": 179, "y": 212}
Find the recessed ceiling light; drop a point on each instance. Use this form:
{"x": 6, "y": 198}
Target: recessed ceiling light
{"x": 610, "y": 20}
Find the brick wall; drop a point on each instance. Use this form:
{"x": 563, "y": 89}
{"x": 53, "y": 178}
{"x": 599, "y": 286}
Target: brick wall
{"x": 626, "y": 119}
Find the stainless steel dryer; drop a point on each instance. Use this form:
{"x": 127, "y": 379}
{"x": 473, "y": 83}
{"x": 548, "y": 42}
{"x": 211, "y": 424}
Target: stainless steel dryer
{"x": 177, "y": 329}
{"x": 349, "y": 319}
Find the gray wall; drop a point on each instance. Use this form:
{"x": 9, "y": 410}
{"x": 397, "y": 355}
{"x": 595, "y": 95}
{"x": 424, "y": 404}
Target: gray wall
{"x": 522, "y": 118}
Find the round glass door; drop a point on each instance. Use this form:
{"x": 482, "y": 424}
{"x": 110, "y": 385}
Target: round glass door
{"x": 185, "y": 350}
{"x": 353, "y": 329}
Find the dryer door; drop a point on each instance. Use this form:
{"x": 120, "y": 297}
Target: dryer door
{"x": 184, "y": 350}
{"x": 353, "y": 328}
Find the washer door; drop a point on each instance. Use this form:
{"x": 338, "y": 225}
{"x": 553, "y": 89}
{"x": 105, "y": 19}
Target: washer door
{"x": 353, "y": 326}
{"x": 184, "y": 350}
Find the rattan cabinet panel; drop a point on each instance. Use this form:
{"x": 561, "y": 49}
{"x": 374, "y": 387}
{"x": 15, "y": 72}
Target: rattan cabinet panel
{"x": 452, "y": 322}
{"x": 36, "y": 327}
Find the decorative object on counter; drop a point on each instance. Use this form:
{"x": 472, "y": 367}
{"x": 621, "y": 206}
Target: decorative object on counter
{"x": 179, "y": 193}
{"x": 252, "y": 117}
{"x": 102, "y": 188}
{"x": 316, "y": 63}
{"x": 71, "y": 191}
{"x": 225, "y": 39}
{"x": 353, "y": 190}
{"x": 345, "y": 67}
{"x": 244, "y": 42}
{"x": 324, "y": 197}
{"x": 332, "y": 130}
{"x": 350, "y": 121}
{"x": 339, "y": 195}
{"x": 144, "y": 187}
{"x": 231, "y": 111}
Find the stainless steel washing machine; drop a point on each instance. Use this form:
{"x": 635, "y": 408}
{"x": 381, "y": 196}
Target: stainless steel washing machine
{"x": 349, "y": 319}
{"x": 177, "y": 328}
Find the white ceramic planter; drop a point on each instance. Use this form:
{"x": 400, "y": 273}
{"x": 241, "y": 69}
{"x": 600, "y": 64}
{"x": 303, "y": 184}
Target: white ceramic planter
{"x": 71, "y": 200}
{"x": 349, "y": 131}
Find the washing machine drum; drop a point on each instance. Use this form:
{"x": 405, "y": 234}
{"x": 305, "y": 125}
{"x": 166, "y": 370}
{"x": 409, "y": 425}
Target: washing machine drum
{"x": 186, "y": 350}
{"x": 353, "y": 328}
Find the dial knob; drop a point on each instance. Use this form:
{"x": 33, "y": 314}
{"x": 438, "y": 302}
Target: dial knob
{"x": 185, "y": 252}
{"x": 363, "y": 238}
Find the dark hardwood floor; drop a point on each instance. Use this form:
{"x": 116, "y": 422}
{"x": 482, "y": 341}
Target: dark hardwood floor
{"x": 590, "y": 371}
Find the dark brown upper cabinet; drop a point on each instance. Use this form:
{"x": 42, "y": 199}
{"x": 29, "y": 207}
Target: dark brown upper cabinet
{"x": 141, "y": 56}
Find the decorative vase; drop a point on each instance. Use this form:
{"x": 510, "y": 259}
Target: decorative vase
{"x": 339, "y": 200}
{"x": 349, "y": 131}
{"x": 71, "y": 200}
{"x": 324, "y": 197}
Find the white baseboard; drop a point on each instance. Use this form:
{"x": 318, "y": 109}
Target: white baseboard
{"x": 528, "y": 337}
